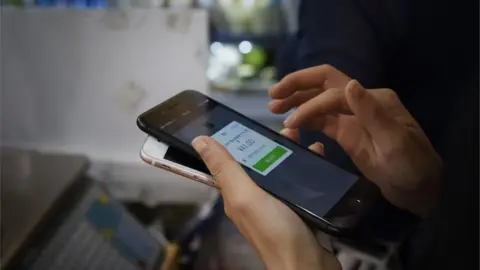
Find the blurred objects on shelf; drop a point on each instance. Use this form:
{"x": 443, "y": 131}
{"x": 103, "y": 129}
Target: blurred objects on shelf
{"x": 245, "y": 37}
{"x": 259, "y": 17}
{"x": 241, "y": 66}
{"x": 132, "y": 3}
{"x": 136, "y": 3}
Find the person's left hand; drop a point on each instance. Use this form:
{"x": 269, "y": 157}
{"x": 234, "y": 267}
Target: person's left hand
{"x": 280, "y": 237}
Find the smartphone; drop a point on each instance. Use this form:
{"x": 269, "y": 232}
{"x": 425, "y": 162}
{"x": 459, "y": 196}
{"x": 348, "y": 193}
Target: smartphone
{"x": 322, "y": 193}
{"x": 163, "y": 156}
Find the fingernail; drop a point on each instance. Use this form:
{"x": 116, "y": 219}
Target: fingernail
{"x": 356, "y": 89}
{"x": 321, "y": 145}
{"x": 289, "y": 121}
{"x": 199, "y": 144}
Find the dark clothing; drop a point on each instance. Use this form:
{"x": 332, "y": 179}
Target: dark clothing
{"x": 411, "y": 46}
{"x": 425, "y": 51}
{"x": 448, "y": 239}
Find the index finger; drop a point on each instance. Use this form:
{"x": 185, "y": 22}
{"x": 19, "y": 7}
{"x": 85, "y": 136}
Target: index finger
{"x": 332, "y": 101}
{"x": 324, "y": 76}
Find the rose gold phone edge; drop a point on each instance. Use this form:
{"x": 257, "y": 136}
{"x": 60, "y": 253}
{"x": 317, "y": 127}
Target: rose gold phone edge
{"x": 175, "y": 168}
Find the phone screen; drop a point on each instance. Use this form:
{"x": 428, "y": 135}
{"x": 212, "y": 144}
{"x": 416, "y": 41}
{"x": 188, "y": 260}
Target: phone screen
{"x": 274, "y": 162}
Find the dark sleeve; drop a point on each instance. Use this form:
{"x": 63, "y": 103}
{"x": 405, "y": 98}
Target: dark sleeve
{"x": 356, "y": 36}
{"x": 449, "y": 238}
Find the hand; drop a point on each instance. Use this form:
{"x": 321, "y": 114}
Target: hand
{"x": 373, "y": 127}
{"x": 280, "y": 237}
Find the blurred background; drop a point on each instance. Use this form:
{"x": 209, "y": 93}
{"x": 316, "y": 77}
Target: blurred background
{"x": 75, "y": 74}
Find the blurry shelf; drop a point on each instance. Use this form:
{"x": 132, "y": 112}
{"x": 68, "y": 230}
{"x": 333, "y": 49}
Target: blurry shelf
{"x": 251, "y": 104}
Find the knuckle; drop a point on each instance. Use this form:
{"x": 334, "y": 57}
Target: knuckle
{"x": 327, "y": 67}
{"x": 389, "y": 94}
{"x": 220, "y": 165}
{"x": 290, "y": 78}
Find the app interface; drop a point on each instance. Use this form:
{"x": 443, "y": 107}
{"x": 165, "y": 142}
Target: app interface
{"x": 272, "y": 161}
{"x": 253, "y": 150}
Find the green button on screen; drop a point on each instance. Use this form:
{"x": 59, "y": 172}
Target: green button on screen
{"x": 270, "y": 158}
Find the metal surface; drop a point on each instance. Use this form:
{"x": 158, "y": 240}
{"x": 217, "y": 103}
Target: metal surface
{"x": 30, "y": 184}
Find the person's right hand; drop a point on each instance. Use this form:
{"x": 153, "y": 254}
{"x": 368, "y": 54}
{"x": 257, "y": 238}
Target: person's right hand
{"x": 373, "y": 127}
{"x": 280, "y": 237}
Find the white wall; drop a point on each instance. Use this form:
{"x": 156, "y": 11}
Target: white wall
{"x": 77, "y": 80}
{"x": 74, "y": 81}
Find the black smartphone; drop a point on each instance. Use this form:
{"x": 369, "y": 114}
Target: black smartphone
{"x": 332, "y": 198}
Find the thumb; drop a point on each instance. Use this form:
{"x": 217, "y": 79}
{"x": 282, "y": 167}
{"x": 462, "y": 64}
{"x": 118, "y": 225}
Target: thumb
{"x": 229, "y": 176}
{"x": 369, "y": 111}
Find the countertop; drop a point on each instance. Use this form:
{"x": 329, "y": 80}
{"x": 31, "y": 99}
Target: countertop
{"x": 30, "y": 183}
